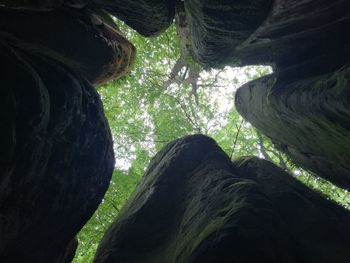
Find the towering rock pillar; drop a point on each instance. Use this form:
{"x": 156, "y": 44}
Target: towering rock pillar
{"x": 56, "y": 147}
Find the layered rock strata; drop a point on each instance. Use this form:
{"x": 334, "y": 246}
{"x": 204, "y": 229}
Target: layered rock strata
{"x": 56, "y": 148}
{"x": 194, "y": 205}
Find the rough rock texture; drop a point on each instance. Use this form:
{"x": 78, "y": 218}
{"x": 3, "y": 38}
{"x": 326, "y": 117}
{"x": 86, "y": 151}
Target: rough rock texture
{"x": 68, "y": 253}
{"x": 318, "y": 228}
{"x": 57, "y": 155}
{"x": 304, "y": 106}
{"x": 296, "y": 31}
{"x": 194, "y": 205}
{"x": 216, "y": 28}
{"x": 309, "y": 119}
{"x": 280, "y": 32}
{"x": 92, "y": 46}
{"x": 148, "y": 17}
{"x": 56, "y": 148}
{"x": 42, "y": 5}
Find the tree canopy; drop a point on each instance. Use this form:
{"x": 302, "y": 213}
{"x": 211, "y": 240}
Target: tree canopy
{"x": 165, "y": 96}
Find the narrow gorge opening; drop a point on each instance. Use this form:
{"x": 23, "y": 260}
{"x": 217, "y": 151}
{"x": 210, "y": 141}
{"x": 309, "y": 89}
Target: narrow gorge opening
{"x": 88, "y": 104}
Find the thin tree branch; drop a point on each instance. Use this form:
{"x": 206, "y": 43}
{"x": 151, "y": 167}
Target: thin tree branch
{"x": 193, "y": 79}
{"x": 236, "y": 138}
{"x": 262, "y": 147}
{"x": 345, "y": 195}
{"x": 183, "y": 109}
{"x": 115, "y": 206}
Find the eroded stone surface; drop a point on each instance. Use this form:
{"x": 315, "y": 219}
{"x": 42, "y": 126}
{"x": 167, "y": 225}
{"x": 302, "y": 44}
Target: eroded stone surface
{"x": 280, "y": 33}
{"x": 306, "y": 118}
{"x": 217, "y": 28}
{"x": 148, "y": 17}
{"x": 68, "y": 253}
{"x": 298, "y": 31}
{"x": 303, "y": 107}
{"x": 56, "y": 155}
{"x": 92, "y": 46}
{"x": 34, "y": 5}
{"x": 56, "y": 148}
{"x": 194, "y": 205}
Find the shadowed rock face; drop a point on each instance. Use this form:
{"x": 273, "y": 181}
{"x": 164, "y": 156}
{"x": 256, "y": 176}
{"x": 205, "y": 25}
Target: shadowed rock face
{"x": 42, "y": 5}
{"x": 57, "y": 155}
{"x": 304, "y": 106}
{"x": 298, "y": 31}
{"x": 148, "y": 17}
{"x": 194, "y": 205}
{"x": 56, "y": 148}
{"x": 309, "y": 119}
{"x": 281, "y": 32}
{"x": 92, "y": 46}
{"x": 69, "y": 252}
{"x": 217, "y": 28}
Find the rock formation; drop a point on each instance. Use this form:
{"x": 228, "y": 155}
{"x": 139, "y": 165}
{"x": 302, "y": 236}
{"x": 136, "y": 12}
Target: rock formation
{"x": 37, "y": 33}
{"x": 57, "y": 153}
{"x": 195, "y": 205}
{"x": 148, "y": 17}
{"x": 307, "y": 118}
{"x": 304, "y": 106}
{"x": 216, "y": 30}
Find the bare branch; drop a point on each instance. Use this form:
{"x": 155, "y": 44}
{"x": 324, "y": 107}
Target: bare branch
{"x": 278, "y": 154}
{"x": 236, "y": 138}
{"x": 180, "y": 63}
{"x": 185, "y": 73}
{"x": 193, "y": 79}
{"x": 262, "y": 147}
{"x": 264, "y": 151}
{"x": 115, "y": 206}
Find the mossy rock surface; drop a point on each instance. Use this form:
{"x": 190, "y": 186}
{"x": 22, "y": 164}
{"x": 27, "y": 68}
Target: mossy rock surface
{"x": 216, "y": 29}
{"x": 307, "y": 117}
{"x": 195, "y": 205}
